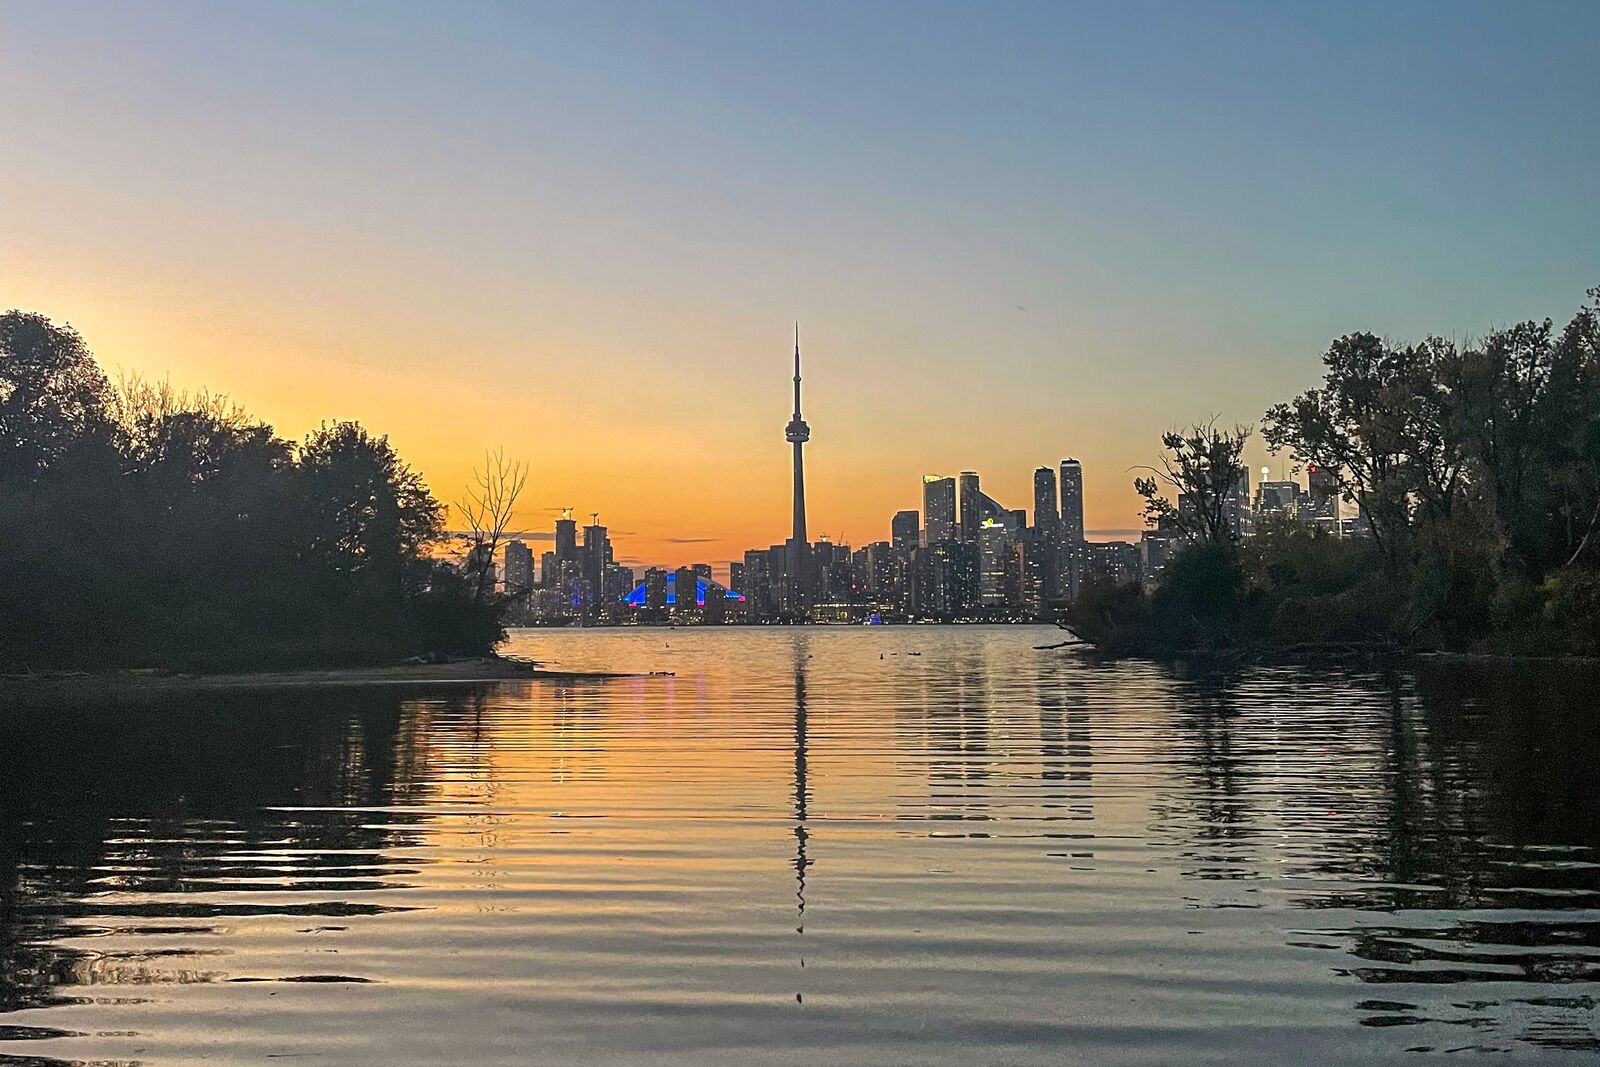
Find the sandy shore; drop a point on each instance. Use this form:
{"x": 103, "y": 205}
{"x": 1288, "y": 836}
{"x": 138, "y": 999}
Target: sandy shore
{"x": 74, "y": 687}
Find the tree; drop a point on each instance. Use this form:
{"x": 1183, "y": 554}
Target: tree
{"x": 486, "y": 508}
{"x": 174, "y": 444}
{"x": 1528, "y": 403}
{"x": 144, "y": 526}
{"x": 1205, "y": 466}
{"x": 1575, "y": 457}
{"x": 1381, "y": 423}
{"x": 369, "y": 512}
{"x": 53, "y": 396}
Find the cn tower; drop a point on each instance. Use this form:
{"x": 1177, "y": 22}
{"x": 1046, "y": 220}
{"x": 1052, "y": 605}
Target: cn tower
{"x": 798, "y": 433}
{"x": 799, "y": 549}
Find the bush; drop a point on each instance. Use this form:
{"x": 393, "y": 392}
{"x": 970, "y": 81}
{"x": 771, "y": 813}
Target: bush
{"x": 1200, "y": 601}
{"x": 1114, "y": 617}
{"x": 1572, "y": 609}
{"x": 145, "y": 528}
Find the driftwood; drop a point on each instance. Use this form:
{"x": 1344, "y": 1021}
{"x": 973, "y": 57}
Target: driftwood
{"x": 1077, "y": 640}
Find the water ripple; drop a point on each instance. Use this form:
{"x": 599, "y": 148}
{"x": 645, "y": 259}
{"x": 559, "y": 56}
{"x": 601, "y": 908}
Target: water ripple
{"x": 804, "y": 848}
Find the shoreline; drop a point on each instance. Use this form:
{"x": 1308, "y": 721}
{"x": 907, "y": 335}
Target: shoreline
{"x": 68, "y": 687}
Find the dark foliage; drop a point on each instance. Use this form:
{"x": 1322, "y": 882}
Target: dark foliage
{"x": 1204, "y": 467}
{"x": 140, "y": 527}
{"x": 1476, "y": 472}
{"x": 1114, "y": 617}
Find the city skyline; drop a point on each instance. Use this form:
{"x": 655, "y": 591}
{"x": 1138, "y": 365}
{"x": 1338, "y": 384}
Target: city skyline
{"x": 581, "y": 234}
{"x": 965, "y": 557}
{"x": 1063, "y": 511}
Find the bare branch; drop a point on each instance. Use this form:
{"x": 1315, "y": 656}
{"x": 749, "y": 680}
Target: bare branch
{"x": 487, "y": 508}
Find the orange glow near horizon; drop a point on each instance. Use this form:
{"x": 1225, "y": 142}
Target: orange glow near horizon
{"x": 704, "y": 488}
{"x": 584, "y": 237}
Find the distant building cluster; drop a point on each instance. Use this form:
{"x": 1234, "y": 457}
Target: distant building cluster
{"x": 964, "y": 558}
{"x": 578, "y": 581}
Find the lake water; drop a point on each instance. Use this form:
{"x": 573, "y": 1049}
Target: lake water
{"x": 915, "y": 845}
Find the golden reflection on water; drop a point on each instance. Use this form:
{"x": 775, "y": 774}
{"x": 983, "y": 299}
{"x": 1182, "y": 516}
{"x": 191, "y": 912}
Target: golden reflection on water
{"x": 844, "y": 846}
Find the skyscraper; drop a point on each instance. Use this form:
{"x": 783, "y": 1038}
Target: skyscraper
{"x": 996, "y": 548}
{"x": 685, "y": 591}
{"x": 798, "y": 433}
{"x": 970, "y": 511}
{"x": 1236, "y": 504}
{"x": 1071, "y": 501}
{"x": 754, "y": 583}
{"x": 939, "y": 508}
{"x": 595, "y": 556}
{"x": 1046, "y": 509}
{"x": 566, "y": 537}
{"x": 976, "y": 506}
{"x": 905, "y": 530}
{"x": 519, "y": 568}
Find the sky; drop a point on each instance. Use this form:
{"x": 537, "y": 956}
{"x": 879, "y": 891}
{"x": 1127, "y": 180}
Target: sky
{"x": 583, "y": 232}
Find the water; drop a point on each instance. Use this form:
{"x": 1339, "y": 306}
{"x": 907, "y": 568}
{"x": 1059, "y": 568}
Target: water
{"x": 808, "y": 847}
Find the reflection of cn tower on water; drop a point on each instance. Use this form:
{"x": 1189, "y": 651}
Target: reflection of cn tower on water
{"x": 802, "y": 793}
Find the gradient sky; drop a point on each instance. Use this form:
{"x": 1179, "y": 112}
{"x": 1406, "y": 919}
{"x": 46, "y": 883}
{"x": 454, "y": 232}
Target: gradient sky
{"x": 583, "y": 231}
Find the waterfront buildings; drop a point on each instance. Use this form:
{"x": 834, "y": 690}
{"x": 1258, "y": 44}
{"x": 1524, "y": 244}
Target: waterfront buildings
{"x": 938, "y": 508}
{"x": 1071, "y": 500}
{"x": 518, "y": 568}
{"x": 964, "y": 557}
{"x": 996, "y": 550}
{"x": 905, "y": 531}
{"x": 566, "y": 537}
{"x": 1046, "y": 506}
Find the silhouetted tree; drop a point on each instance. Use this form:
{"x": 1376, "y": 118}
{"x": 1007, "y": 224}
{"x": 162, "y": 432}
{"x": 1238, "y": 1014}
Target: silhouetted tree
{"x": 1205, "y": 467}
{"x": 52, "y": 396}
{"x": 1380, "y": 425}
{"x": 144, "y": 526}
{"x": 486, "y": 508}
{"x": 369, "y": 511}
{"x": 1476, "y": 467}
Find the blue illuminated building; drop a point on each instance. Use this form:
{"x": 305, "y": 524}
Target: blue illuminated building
{"x": 636, "y": 599}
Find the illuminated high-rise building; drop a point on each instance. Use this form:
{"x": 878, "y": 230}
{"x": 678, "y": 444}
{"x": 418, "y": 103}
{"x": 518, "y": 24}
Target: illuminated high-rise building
{"x": 618, "y": 584}
{"x": 1236, "y": 505}
{"x": 685, "y": 583}
{"x": 594, "y": 557}
{"x": 1046, "y": 508}
{"x": 938, "y": 508}
{"x": 753, "y": 584}
{"x": 1071, "y": 501}
{"x": 996, "y": 550}
{"x": 655, "y": 590}
{"x": 518, "y": 568}
{"x": 905, "y": 531}
{"x": 978, "y": 506}
{"x": 971, "y": 513}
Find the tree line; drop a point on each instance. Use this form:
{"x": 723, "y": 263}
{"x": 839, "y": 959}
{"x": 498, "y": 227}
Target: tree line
{"x": 1473, "y": 469}
{"x": 145, "y": 527}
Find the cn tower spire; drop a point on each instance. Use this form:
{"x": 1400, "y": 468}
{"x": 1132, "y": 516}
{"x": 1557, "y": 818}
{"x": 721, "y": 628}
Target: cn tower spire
{"x": 797, "y": 370}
